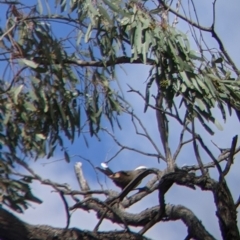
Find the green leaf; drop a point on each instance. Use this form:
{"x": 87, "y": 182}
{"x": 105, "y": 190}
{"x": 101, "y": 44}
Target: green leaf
{"x": 79, "y": 37}
{"x": 218, "y": 125}
{"x": 62, "y": 113}
{"x": 222, "y": 109}
{"x": 104, "y": 13}
{"x": 63, "y": 5}
{"x": 88, "y": 33}
{"x": 210, "y": 86}
{"x": 138, "y": 39}
{"x": 156, "y": 10}
{"x": 218, "y": 60}
{"x": 27, "y": 179}
{"x": 29, "y": 63}
{"x": 30, "y": 106}
{"x": 85, "y": 140}
{"x": 40, "y": 8}
{"x": 147, "y": 93}
{"x": 185, "y": 79}
{"x": 183, "y": 88}
{"x": 41, "y": 69}
{"x": 16, "y": 93}
{"x": 199, "y": 116}
{"x": 40, "y": 136}
{"x": 67, "y": 158}
{"x": 116, "y": 8}
{"x": 30, "y": 197}
{"x": 195, "y": 84}
{"x": 202, "y": 85}
{"x": 200, "y": 104}
{"x": 212, "y": 76}
{"x": 92, "y": 9}
{"x": 125, "y": 21}
{"x": 192, "y": 55}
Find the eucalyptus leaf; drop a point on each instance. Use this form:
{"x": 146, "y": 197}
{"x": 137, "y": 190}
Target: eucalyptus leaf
{"x": 218, "y": 125}
{"x": 29, "y": 63}
{"x": 16, "y": 93}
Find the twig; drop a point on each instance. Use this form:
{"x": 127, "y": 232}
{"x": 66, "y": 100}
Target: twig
{"x": 219, "y": 41}
{"x": 180, "y": 146}
{"x": 162, "y": 122}
{"x": 146, "y": 134}
{"x": 8, "y": 31}
{"x": 207, "y": 29}
{"x": 114, "y": 155}
{"x": 181, "y": 143}
{"x": 13, "y": 80}
{"x": 113, "y": 211}
{"x": 231, "y": 155}
{"x": 66, "y": 208}
{"x": 210, "y": 154}
{"x": 129, "y": 148}
{"x": 195, "y": 146}
{"x": 175, "y": 22}
{"x": 222, "y": 157}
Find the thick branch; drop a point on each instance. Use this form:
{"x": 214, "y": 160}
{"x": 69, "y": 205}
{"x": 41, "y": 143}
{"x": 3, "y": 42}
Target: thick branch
{"x": 25, "y": 231}
{"x": 82, "y": 63}
{"x": 195, "y": 228}
{"x": 172, "y": 213}
{"x": 226, "y": 211}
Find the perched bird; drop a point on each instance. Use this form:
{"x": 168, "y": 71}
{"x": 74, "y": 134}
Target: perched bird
{"x": 121, "y": 178}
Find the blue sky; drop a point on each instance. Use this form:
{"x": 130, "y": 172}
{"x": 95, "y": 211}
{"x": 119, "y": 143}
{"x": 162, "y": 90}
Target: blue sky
{"x": 52, "y": 212}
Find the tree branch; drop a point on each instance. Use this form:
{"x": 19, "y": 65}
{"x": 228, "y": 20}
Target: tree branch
{"x": 168, "y": 8}
{"x": 25, "y": 231}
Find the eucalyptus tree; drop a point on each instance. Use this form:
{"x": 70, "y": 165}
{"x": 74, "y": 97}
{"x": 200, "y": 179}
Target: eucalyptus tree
{"x": 58, "y": 83}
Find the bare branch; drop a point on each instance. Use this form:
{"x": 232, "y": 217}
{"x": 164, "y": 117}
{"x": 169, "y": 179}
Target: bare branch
{"x": 196, "y": 230}
{"x": 129, "y": 148}
{"x": 109, "y": 160}
{"x": 163, "y": 130}
{"x": 231, "y": 155}
{"x": 175, "y": 22}
{"x": 220, "y": 43}
{"x": 146, "y": 134}
{"x": 66, "y": 209}
{"x": 207, "y": 29}
{"x": 81, "y": 179}
{"x": 210, "y": 154}
{"x": 106, "y": 207}
{"x": 199, "y": 160}
{"x": 82, "y": 63}
{"x": 181, "y": 143}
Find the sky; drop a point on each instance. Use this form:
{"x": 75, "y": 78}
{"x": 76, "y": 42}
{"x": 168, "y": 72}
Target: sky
{"x": 201, "y": 203}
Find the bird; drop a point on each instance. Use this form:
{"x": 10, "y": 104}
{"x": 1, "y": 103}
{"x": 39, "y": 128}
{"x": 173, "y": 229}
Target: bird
{"x": 121, "y": 178}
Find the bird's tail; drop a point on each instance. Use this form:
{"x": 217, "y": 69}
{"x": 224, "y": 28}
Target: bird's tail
{"x": 105, "y": 169}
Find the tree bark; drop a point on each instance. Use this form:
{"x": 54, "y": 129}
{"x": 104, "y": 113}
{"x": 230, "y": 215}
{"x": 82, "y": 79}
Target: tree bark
{"x": 12, "y": 228}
